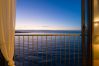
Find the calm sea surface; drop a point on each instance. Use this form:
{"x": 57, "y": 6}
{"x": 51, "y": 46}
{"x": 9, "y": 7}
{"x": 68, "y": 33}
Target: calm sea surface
{"x": 48, "y": 50}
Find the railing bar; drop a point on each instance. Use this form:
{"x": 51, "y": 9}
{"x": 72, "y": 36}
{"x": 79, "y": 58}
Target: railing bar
{"x": 23, "y": 51}
{"x": 46, "y": 50}
{"x": 49, "y": 35}
{"x": 56, "y": 49}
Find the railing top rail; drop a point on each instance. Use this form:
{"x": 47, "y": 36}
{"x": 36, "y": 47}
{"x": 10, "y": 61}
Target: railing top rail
{"x": 47, "y": 35}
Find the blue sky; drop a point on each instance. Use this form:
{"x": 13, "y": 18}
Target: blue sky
{"x": 48, "y": 14}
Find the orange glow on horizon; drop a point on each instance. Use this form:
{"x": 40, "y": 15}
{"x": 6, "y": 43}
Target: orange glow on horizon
{"x": 46, "y": 28}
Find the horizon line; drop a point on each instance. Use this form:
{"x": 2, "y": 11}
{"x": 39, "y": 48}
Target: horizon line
{"x": 31, "y": 29}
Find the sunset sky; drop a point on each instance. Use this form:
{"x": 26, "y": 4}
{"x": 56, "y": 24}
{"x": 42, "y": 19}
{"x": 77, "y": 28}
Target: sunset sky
{"x": 48, "y": 14}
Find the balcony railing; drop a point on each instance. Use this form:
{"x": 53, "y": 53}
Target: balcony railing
{"x": 48, "y": 50}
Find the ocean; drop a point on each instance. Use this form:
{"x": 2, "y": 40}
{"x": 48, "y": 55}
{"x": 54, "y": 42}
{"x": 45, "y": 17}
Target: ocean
{"x": 48, "y": 50}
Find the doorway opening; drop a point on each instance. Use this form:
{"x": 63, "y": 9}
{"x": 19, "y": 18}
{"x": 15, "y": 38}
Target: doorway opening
{"x": 50, "y": 32}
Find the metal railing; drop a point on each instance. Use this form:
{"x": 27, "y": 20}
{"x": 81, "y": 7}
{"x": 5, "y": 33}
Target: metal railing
{"x": 48, "y": 50}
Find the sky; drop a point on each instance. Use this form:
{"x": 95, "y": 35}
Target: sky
{"x": 48, "y": 14}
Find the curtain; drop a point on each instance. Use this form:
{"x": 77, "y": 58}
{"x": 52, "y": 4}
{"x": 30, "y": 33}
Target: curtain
{"x": 7, "y": 29}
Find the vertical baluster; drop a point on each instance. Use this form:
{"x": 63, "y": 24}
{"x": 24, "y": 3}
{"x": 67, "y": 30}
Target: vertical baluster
{"x": 14, "y": 48}
{"x": 23, "y": 51}
{"x": 65, "y": 49}
{"x": 56, "y": 50}
{"x": 32, "y": 47}
{"x": 60, "y": 48}
{"x": 51, "y": 50}
{"x": 74, "y": 47}
{"x": 42, "y": 48}
{"x": 19, "y": 50}
{"x": 37, "y": 49}
{"x": 69, "y": 47}
{"x": 78, "y": 49}
{"x": 46, "y": 50}
{"x": 28, "y": 50}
